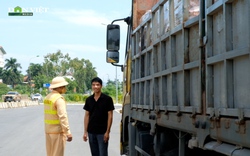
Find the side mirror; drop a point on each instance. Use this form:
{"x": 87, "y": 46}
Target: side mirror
{"x": 112, "y": 57}
{"x": 113, "y": 37}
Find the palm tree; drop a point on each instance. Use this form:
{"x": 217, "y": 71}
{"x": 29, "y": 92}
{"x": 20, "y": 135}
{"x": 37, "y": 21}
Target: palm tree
{"x": 12, "y": 64}
{"x": 7, "y": 77}
{"x": 11, "y": 74}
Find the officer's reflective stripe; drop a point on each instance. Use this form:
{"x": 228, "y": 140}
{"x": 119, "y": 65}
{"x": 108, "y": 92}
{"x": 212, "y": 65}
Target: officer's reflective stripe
{"x": 48, "y": 102}
{"x": 50, "y": 111}
{"x": 52, "y": 122}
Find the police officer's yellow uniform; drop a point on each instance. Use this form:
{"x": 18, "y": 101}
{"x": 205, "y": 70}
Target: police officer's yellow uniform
{"x": 56, "y": 120}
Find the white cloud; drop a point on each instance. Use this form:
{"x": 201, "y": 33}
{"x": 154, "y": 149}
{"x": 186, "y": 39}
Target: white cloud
{"x": 19, "y": 21}
{"x": 14, "y": 20}
{"x": 82, "y": 17}
{"x": 77, "y": 47}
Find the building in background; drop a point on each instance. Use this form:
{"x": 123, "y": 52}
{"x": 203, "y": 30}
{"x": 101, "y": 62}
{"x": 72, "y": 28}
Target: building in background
{"x": 2, "y": 52}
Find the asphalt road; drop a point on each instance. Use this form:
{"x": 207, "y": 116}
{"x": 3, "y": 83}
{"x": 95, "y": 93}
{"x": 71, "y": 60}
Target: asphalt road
{"x": 22, "y": 132}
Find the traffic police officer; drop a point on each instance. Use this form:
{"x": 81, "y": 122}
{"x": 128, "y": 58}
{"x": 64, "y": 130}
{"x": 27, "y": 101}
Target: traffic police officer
{"x": 57, "y": 128}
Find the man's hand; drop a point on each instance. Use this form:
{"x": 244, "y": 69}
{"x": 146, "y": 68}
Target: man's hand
{"x": 106, "y": 137}
{"x": 85, "y": 137}
{"x": 69, "y": 137}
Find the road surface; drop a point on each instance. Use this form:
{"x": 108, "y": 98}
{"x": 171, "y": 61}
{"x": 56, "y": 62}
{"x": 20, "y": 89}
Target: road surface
{"x": 22, "y": 132}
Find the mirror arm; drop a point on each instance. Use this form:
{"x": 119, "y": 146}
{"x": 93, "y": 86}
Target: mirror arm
{"x": 118, "y": 66}
{"x": 127, "y": 20}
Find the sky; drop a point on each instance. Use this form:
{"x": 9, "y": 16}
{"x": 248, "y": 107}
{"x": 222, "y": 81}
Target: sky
{"x": 76, "y": 27}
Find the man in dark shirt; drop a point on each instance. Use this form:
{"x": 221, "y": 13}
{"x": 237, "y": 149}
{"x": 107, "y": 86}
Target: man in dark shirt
{"x": 98, "y": 119}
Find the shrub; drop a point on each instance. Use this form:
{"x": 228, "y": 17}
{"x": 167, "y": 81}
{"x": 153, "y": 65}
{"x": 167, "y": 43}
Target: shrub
{"x": 3, "y": 89}
{"x": 75, "y": 97}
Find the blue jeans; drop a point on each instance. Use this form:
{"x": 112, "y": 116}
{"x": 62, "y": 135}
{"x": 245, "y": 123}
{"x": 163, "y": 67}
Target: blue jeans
{"x": 97, "y": 145}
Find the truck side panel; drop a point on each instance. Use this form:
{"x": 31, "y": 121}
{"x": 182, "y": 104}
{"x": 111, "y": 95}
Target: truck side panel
{"x": 190, "y": 71}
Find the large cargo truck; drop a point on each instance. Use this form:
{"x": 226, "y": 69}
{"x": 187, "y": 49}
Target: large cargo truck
{"x": 186, "y": 78}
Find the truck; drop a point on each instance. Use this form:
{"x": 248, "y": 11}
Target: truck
{"x": 186, "y": 77}
{"x": 12, "y": 96}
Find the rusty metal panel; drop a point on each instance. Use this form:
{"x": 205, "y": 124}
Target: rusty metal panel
{"x": 193, "y": 43}
{"x": 140, "y": 8}
{"x": 195, "y": 88}
{"x": 156, "y": 58}
{"x": 241, "y": 82}
{"x": 193, "y": 76}
{"x": 227, "y": 59}
{"x": 166, "y": 57}
{"x": 179, "y": 49}
{"x": 156, "y": 93}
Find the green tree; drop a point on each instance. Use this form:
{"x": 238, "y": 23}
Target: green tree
{"x": 22, "y": 89}
{"x": 39, "y": 80}
{"x": 3, "y": 89}
{"x": 71, "y": 86}
{"x": 45, "y": 70}
{"x": 12, "y": 64}
{"x": 34, "y": 70}
{"x": 79, "y": 73}
{"x": 90, "y": 73}
{"x": 83, "y": 71}
{"x": 110, "y": 89}
{"x": 11, "y": 74}
{"x": 6, "y": 75}
{"x": 58, "y": 64}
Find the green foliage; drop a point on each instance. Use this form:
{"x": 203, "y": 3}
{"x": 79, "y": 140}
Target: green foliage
{"x": 75, "y": 97}
{"x": 120, "y": 98}
{"x": 90, "y": 74}
{"x": 34, "y": 70}
{"x": 55, "y": 64}
{"x": 39, "y": 80}
{"x": 58, "y": 64}
{"x": 3, "y": 89}
{"x": 22, "y": 88}
{"x": 44, "y": 91}
{"x": 71, "y": 86}
{"x": 10, "y": 73}
{"x": 79, "y": 74}
{"x": 110, "y": 89}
